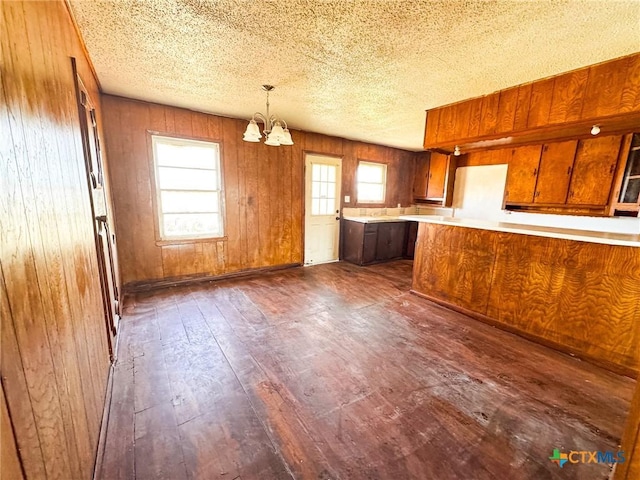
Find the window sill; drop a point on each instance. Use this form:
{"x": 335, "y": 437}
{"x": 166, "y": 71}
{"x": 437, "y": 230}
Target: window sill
{"x": 187, "y": 241}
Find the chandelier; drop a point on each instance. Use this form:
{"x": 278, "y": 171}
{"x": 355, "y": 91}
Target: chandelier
{"x": 273, "y": 131}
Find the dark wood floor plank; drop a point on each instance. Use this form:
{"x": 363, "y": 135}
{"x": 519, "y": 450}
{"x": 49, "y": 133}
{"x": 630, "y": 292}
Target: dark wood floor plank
{"x": 158, "y": 454}
{"x": 336, "y": 371}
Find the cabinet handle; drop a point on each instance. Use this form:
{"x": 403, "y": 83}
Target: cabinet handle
{"x": 568, "y": 170}
{"x": 537, "y": 194}
{"x": 535, "y": 172}
{"x": 571, "y": 193}
{"x": 612, "y": 168}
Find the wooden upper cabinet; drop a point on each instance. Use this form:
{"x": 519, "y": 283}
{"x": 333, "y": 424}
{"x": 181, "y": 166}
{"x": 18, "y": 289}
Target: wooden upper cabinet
{"x": 630, "y": 101}
{"x": 593, "y": 170}
{"x": 438, "y": 167}
{"x": 507, "y": 110}
{"x": 603, "y": 94}
{"x": 447, "y": 123}
{"x": 489, "y": 115}
{"x": 556, "y": 164}
{"x": 521, "y": 115}
{"x": 421, "y": 178}
{"x": 547, "y": 110}
{"x": 568, "y": 93}
{"x": 431, "y": 129}
{"x": 522, "y": 174}
{"x": 475, "y": 115}
{"x": 540, "y": 106}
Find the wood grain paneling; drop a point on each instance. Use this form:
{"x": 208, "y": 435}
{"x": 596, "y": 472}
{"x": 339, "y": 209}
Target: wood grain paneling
{"x": 10, "y": 463}
{"x": 489, "y": 115}
{"x": 55, "y": 358}
{"x": 568, "y": 92}
{"x": 521, "y": 117}
{"x": 580, "y": 297}
{"x": 540, "y": 106}
{"x": 263, "y": 191}
{"x": 475, "y": 116}
{"x": 603, "y": 93}
{"x": 630, "y": 101}
{"x": 507, "y": 110}
{"x": 447, "y": 123}
{"x": 551, "y": 109}
{"x": 454, "y": 264}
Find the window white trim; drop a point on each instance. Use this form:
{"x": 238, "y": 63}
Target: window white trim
{"x": 214, "y": 192}
{"x": 383, "y": 168}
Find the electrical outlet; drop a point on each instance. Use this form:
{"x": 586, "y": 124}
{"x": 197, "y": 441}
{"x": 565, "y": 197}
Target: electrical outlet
{"x": 347, "y": 199}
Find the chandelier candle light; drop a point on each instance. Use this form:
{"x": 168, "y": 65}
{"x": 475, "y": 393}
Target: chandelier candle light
{"x": 273, "y": 131}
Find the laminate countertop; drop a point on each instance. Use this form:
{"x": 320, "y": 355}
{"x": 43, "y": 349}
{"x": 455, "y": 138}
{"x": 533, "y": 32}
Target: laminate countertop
{"x": 377, "y": 219}
{"x": 623, "y": 239}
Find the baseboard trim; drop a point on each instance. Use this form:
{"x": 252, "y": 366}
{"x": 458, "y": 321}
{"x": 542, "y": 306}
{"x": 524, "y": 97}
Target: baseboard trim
{"x": 612, "y": 367}
{"x": 147, "y": 285}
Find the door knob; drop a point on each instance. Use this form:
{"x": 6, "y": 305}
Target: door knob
{"x": 337, "y": 218}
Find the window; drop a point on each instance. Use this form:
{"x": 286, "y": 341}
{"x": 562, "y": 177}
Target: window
{"x": 188, "y": 188}
{"x": 372, "y": 182}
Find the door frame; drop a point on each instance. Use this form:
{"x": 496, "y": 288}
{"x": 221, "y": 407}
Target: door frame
{"x": 340, "y": 159}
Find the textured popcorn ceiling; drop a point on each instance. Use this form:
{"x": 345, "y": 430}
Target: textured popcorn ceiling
{"x": 364, "y": 70}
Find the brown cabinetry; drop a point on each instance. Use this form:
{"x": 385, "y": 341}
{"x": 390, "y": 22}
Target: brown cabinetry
{"x": 365, "y": 243}
{"x": 433, "y": 181}
{"x": 560, "y": 107}
{"x": 523, "y": 173}
{"x": 421, "y": 179}
{"x": 554, "y": 175}
{"x": 572, "y": 176}
{"x": 593, "y": 170}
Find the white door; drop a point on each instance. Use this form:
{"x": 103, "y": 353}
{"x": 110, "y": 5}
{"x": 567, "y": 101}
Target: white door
{"x": 322, "y": 209}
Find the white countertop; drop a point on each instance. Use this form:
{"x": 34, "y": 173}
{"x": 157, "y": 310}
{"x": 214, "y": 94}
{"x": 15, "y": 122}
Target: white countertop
{"x": 376, "y": 218}
{"x": 623, "y": 239}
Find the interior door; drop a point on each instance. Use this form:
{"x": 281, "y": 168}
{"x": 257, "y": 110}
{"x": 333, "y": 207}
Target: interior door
{"x": 322, "y": 209}
{"x": 104, "y": 239}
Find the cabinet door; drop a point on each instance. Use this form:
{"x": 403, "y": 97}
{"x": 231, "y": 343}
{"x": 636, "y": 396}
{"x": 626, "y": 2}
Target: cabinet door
{"x": 369, "y": 244}
{"x": 352, "y": 240}
{"x": 593, "y": 170}
{"x": 390, "y": 242}
{"x": 556, "y": 165}
{"x": 437, "y": 176}
{"x": 522, "y": 174}
{"x": 421, "y": 178}
{"x": 412, "y": 235}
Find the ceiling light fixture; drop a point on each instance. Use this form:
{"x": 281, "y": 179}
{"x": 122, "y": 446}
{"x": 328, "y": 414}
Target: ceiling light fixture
{"x": 273, "y": 131}
{"x": 456, "y": 151}
{"x": 595, "y": 130}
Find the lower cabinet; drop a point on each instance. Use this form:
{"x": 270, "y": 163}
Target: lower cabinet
{"x": 364, "y": 243}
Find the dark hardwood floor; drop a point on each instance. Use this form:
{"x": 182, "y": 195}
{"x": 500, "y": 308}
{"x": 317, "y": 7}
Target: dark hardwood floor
{"x": 337, "y": 372}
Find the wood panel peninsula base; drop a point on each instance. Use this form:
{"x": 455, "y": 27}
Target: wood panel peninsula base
{"x": 579, "y": 297}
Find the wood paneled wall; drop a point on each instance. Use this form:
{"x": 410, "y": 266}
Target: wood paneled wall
{"x": 263, "y": 189}
{"x": 630, "y": 469}
{"x": 579, "y": 297}
{"x": 55, "y": 359}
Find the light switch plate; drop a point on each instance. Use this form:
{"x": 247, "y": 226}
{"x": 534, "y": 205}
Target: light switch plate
{"x": 347, "y": 199}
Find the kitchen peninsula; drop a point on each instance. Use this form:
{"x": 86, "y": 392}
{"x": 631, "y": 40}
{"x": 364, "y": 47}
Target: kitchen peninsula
{"x": 577, "y": 291}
